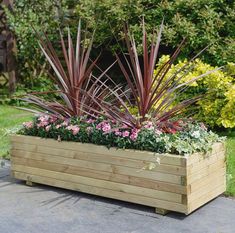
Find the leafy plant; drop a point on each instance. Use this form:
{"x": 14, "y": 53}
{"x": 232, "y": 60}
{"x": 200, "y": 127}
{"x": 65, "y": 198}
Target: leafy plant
{"x": 217, "y": 106}
{"x": 43, "y": 15}
{"x": 202, "y": 22}
{"x": 71, "y": 79}
{"x": 151, "y": 92}
{"x": 193, "y": 137}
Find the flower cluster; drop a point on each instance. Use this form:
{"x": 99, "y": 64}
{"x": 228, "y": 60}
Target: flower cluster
{"x": 173, "y": 137}
{"x": 73, "y": 128}
{"x": 104, "y": 126}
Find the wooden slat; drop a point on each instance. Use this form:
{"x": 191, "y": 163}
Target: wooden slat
{"x": 205, "y": 171}
{"x": 138, "y": 164}
{"x": 206, "y": 163}
{"x": 210, "y": 185}
{"x": 197, "y": 157}
{"x": 90, "y": 148}
{"x": 125, "y": 179}
{"x": 103, "y": 192}
{"x": 100, "y": 166}
{"x": 206, "y": 198}
{"x": 172, "y": 197}
{"x": 196, "y": 185}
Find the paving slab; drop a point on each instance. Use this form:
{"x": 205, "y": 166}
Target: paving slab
{"x": 44, "y": 209}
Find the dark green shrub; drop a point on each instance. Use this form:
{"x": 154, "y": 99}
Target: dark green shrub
{"x": 27, "y": 16}
{"x": 203, "y": 22}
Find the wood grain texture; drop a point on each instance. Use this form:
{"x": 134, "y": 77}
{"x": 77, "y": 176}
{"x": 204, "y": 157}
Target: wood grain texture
{"x": 178, "y": 183}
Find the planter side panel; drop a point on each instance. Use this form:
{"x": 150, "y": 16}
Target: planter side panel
{"x": 93, "y": 169}
{"x": 206, "y": 177}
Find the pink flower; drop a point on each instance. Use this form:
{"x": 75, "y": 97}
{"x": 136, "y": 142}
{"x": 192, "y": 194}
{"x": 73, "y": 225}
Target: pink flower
{"x": 99, "y": 126}
{"x": 149, "y": 125}
{"x": 158, "y": 132}
{"x": 74, "y": 128}
{"x": 125, "y": 133}
{"x": 43, "y": 121}
{"x": 58, "y": 126}
{"x": 53, "y": 119}
{"x": 48, "y": 128}
{"x": 124, "y": 126}
{"x": 134, "y": 134}
{"x": 135, "y": 130}
{"x": 65, "y": 123}
{"x": 90, "y": 121}
{"x": 28, "y": 125}
{"x": 42, "y": 124}
{"x": 43, "y": 118}
{"x": 118, "y": 133}
{"x": 106, "y": 127}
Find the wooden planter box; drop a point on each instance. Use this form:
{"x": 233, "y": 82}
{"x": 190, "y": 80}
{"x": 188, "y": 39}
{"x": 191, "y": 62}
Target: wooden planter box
{"x": 178, "y": 183}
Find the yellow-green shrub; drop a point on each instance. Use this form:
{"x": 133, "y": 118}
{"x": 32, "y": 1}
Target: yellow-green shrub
{"x": 217, "y": 108}
{"x": 227, "y": 118}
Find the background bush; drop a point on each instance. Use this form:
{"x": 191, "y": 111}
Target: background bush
{"x": 217, "y": 107}
{"x": 27, "y": 17}
{"x": 203, "y": 22}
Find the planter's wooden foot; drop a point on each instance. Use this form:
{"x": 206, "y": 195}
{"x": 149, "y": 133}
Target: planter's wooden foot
{"x": 29, "y": 182}
{"x": 161, "y": 211}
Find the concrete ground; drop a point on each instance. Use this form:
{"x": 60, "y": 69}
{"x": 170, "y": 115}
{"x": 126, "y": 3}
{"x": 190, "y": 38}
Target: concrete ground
{"x": 43, "y": 209}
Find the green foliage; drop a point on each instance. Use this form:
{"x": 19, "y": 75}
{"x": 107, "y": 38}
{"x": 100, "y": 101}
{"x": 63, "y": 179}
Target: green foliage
{"x": 27, "y": 17}
{"x": 230, "y": 149}
{"x": 10, "y": 120}
{"x": 216, "y": 109}
{"x": 227, "y": 118}
{"x": 193, "y": 137}
{"x": 202, "y": 22}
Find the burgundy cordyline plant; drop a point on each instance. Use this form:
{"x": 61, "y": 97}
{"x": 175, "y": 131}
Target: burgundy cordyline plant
{"x": 72, "y": 77}
{"x": 153, "y": 94}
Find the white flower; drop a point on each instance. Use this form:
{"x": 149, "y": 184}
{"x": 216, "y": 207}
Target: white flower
{"x": 158, "y": 160}
{"x": 196, "y": 134}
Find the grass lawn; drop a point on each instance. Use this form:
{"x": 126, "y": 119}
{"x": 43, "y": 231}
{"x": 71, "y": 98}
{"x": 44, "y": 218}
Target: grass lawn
{"x": 11, "y": 118}
{"x": 230, "y": 164}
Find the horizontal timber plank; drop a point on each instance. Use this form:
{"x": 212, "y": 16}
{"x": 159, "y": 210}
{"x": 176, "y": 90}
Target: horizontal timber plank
{"x": 126, "y": 179}
{"x": 103, "y": 192}
{"x": 170, "y": 178}
{"x": 203, "y": 173}
{"x": 207, "y": 188}
{"x": 196, "y": 185}
{"x": 197, "y": 157}
{"x": 206, "y": 198}
{"x": 161, "y": 195}
{"x": 206, "y": 163}
{"x": 130, "y": 154}
{"x": 100, "y": 158}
